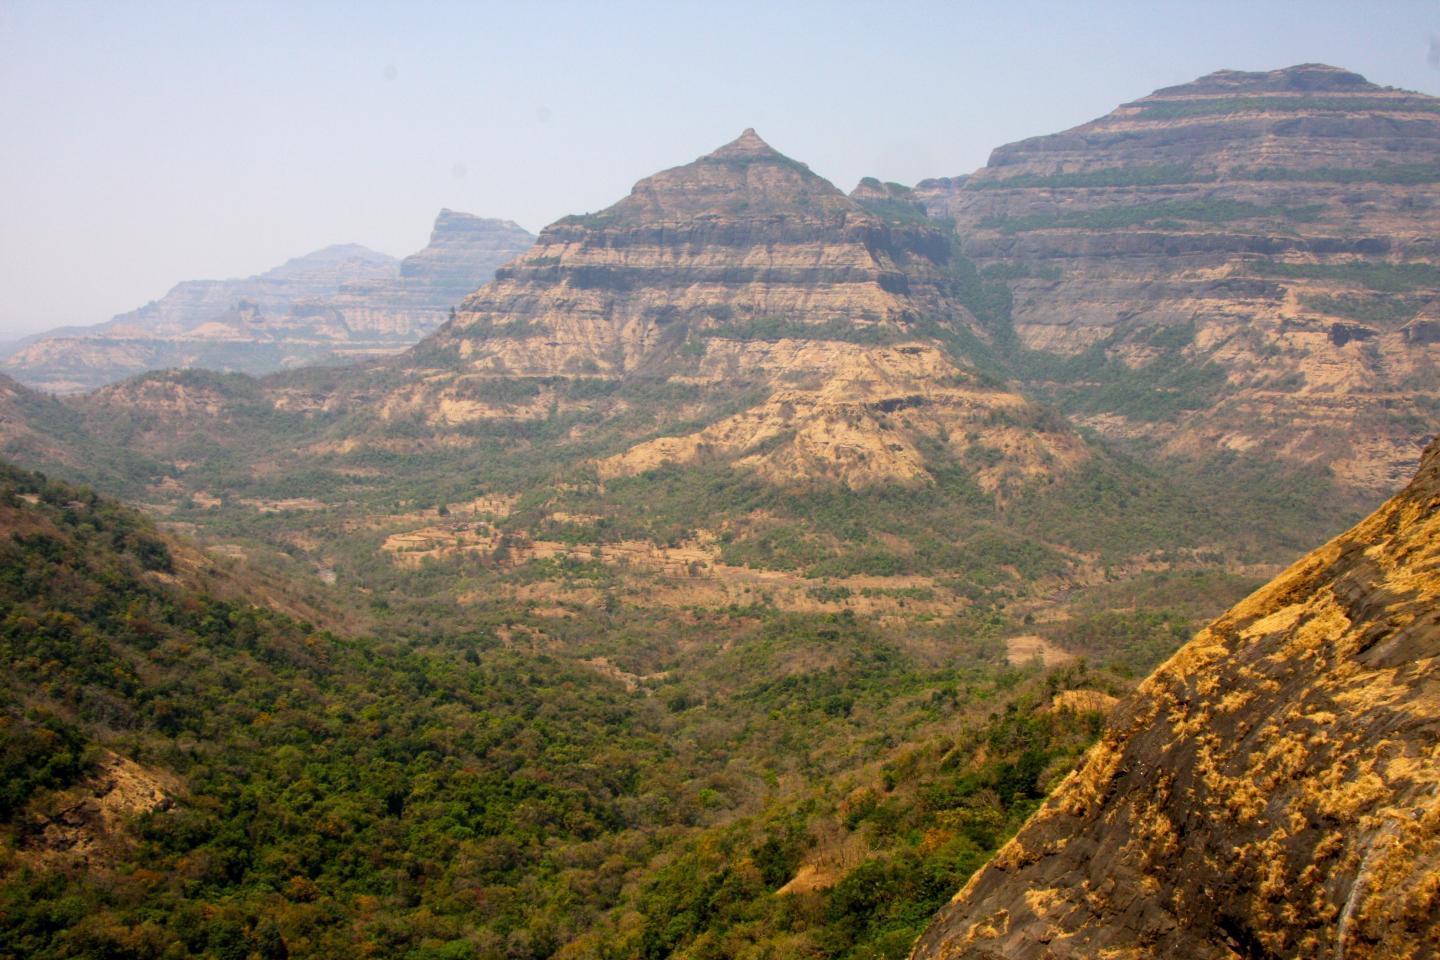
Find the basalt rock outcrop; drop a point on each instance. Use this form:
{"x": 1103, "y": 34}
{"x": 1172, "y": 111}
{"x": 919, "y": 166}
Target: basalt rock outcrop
{"x": 1271, "y": 791}
{"x": 1237, "y": 264}
{"x": 341, "y": 302}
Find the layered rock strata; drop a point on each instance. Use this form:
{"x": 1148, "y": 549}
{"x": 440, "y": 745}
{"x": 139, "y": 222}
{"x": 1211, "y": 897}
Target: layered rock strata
{"x": 1248, "y": 253}
{"x": 741, "y": 270}
{"x": 743, "y": 242}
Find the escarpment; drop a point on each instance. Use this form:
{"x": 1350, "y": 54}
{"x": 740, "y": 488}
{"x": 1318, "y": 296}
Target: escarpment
{"x": 1271, "y": 791}
{"x": 1232, "y": 266}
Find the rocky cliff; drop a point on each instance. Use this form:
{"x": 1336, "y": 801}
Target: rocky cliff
{"x": 338, "y": 302}
{"x": 1271, "y": 791}
{"x": 1240, "y": 264}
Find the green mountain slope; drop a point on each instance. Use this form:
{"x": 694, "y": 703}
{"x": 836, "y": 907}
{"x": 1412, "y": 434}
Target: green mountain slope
{"x": 188, "y": 773}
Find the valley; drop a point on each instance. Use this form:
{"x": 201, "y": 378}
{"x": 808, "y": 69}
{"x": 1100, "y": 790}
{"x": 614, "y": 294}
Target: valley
{"x": 739, "y": 570}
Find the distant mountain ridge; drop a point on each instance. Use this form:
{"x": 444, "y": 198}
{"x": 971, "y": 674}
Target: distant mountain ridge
{"x": 342, "y": 301}
{"x": 311, "y": 276}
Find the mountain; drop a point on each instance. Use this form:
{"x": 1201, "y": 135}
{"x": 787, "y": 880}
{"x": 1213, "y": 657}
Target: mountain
{"x": 463, "y": 253}
{"x": 714, "y": 584}
{"x": 736, "y": 373}
{"x": 742, "y": 244}
{"x": 1272, "y": 790}
{"x": 275, "y": 291}
{"x": 220, "y": 321}
{"x": 740, "y": 269}
{"x": 736, "y": 370}
{"x": 342, "y": 301}
{"x": 1244, "y": 265}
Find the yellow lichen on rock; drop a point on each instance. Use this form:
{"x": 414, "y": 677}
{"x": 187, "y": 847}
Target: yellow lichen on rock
{"x": 1274, "y": 788}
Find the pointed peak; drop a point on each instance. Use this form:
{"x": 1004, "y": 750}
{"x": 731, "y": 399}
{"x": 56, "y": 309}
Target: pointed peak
{"x": 746, "y": 178}
{"x": 746, "y": 146}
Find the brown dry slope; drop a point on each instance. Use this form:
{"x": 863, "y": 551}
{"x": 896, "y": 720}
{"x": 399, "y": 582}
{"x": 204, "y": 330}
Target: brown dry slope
{"x": 1271, "y": 791}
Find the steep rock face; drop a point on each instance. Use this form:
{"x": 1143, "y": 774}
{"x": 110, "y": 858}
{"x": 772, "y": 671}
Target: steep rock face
{"x": 1271, "y": 791}
{"x": 1252, "y": 248}
{"x": 343, "y": 301}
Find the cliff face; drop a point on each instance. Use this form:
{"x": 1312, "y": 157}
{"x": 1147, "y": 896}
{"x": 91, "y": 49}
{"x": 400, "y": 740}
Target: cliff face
{"x": 1248, "y": 253}
{"x": 342, "y": 301}
{"x": 1271, "y": 791}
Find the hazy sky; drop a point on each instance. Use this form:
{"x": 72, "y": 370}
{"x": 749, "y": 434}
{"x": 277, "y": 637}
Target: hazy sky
{"x": 146, "y": 143}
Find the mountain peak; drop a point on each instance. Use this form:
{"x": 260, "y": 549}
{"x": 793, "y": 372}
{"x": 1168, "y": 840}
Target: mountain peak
{"x": 745, "y": 178}
{"x": 1300, "y": 78}
{"x": 748, "y": 145}
{"x": 458, "y": 224}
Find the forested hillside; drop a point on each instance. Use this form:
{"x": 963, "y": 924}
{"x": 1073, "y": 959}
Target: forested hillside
{"x": 190, "y": 774}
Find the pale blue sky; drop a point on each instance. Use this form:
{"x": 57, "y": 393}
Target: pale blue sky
{"x": 147, "y": 143}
